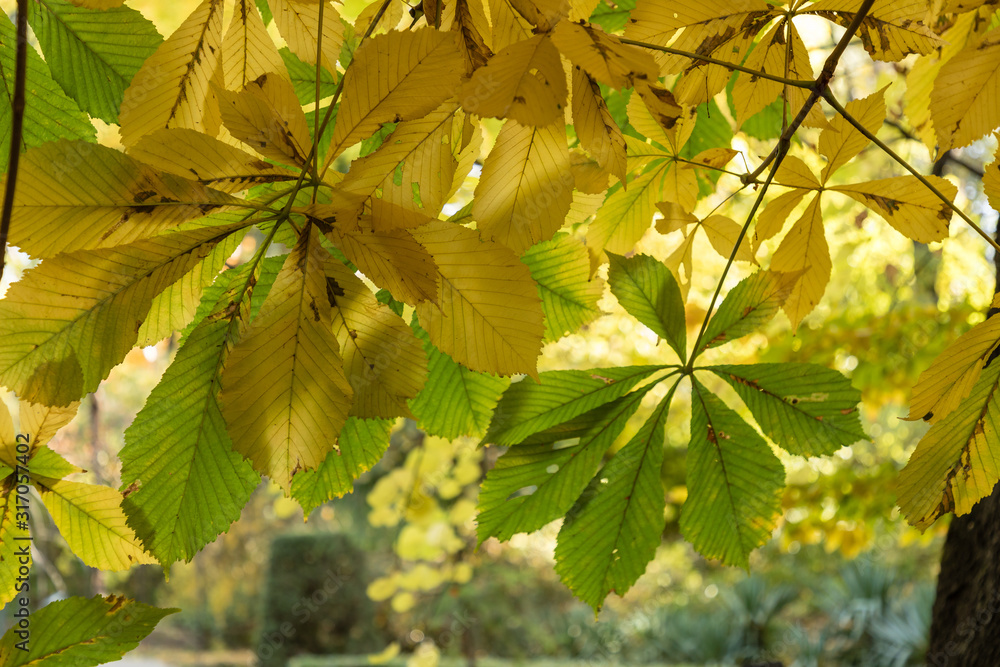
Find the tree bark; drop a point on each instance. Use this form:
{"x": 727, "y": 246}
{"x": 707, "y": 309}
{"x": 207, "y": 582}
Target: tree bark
{"x": 965, "y": 623}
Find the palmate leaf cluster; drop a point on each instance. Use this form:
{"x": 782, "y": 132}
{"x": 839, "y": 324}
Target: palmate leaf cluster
{"x": 291, "y": 366}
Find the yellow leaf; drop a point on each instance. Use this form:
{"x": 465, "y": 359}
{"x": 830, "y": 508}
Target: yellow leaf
{"x": 964, "y": 100}
{"x": 471, "y": 23}
{"x": 627, "y": 214}
{"x": 657, "y": 116}
{"x": 392, "y": 259}
{"x": 390, "y": 19}
{"x": 603, "y": 56}
{"x": 15, "y": 543}
{"x": 488, "y": 314}
{"x": 298, "y": 22}
{"x": 793, "y": 173}
{"x": 890, "y": 31}
{"x": 524, "y": 82}
{"x": 772, "y": 218}
{"x": 509, "y": 26}
{"x": 714, "y": 158}
{"x": 396, "y": 76}
{"x": 597, "y": 130}
{"x": 991, "y": 181}
{"x": 209, "y": 161}
{"x": 840, "y": 141}
{"x": 267, "y": 117}
{"x": 415, "y": 166}
{"x": 55, "y": 323}
{"x": 171, "y": 89}
{"x": 674, "y": 218}
{"x": 951, "y": 376}
{"x": 957, "y": 462}
{"x": 383, "y": 359}
{"x": 40, "y": 422}
{"x": 526, "y": 186}
{"x": 722, "y": 29}
{"x": 91, "y": 520}
{"x": 248, "y": 52}
{"x": 73, "y": 195}
{"x": 284, "y": 393}
{"x": 907, "y": 204}
{"x": 781, "y": 52}
{"x": 681, "y": 264}
{"x": 804, "y": 249}
{"x": 722, "y": 234}
{"x": 921, "y": 77}
{"x": 588, "y": 176}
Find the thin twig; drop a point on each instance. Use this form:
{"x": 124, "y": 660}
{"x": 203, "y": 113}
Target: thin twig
{"x": 689, "y": 367}
{"x": 828, "y": 96}
{"x": 16, "y": 128}
{"x": 722, "y": 63}
{"x": 819, "y": 87}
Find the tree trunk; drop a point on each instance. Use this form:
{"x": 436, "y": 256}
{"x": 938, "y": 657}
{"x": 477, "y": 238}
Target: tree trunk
{"x": 965, "y": 624}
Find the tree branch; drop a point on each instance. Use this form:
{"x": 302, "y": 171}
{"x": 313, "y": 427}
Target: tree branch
{"x": 16, "y": 128}
{"x": 722, "y": 63}
{"x": 828, "y": 96}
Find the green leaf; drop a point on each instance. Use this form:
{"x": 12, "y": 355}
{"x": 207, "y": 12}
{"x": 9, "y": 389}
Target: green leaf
{"x": 612, "y": 531}
{"x": 748, "y": 306}
{"x": 47, "y": 463}
{"x": 79, "y": 632}
{"x": 561, "y": 267}
{"x": 183, "y": 482}
{"x": 648, "y": 291}
{"x": 361, "y": 444}
{"x": 956, "y": 464}
{"x": 528, "y": 407}
{"x": 93, "y": 53}
{"x": 734, "y": 483}
{"x": 455, "y": 401}
{"x": 303, "y": 77}
{"x": 805, "y": 409}
{"x": 48, "y": 113}
{"x": 612, "y": 16}
{"x": 533, "y": 484}
{"x": 74, "y": 317}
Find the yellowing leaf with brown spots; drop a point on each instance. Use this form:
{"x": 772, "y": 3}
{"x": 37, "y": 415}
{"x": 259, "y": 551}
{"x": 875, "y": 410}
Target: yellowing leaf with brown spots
{"x": 804, "y": 249}
{"x": 907, "y": 204}
{"x": 471, "y": 23}
{"x": 391, "y": 259}
{"x": 524, "y": 82}
{"x": 526, "y": 187}
{"x": 284, "y": 393}
{"x": 207, "y": 160}
{"x": 248, "y": 52}
{"x": 73, "y": 195}
{"x": 298, "y": 22}
{"x": 890, "y": 31}
{"x": 781, "y": 52}
{"x": 722, "y": 29}
{"x": 603, "y": 56}
{"x": 383, "y": 359}
{"x": 488, "y": 315}
{"x": 266, "y": 116}
{"x": 393, "y": 77}
{"x": 951, "y": 376}
{"x": 171, "y": 89}
{"x": 957, "y": 462}
{"x": 597, "y": 130}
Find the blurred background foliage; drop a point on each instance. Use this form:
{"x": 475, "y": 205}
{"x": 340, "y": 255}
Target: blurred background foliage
{"x": 843, "y": 582}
